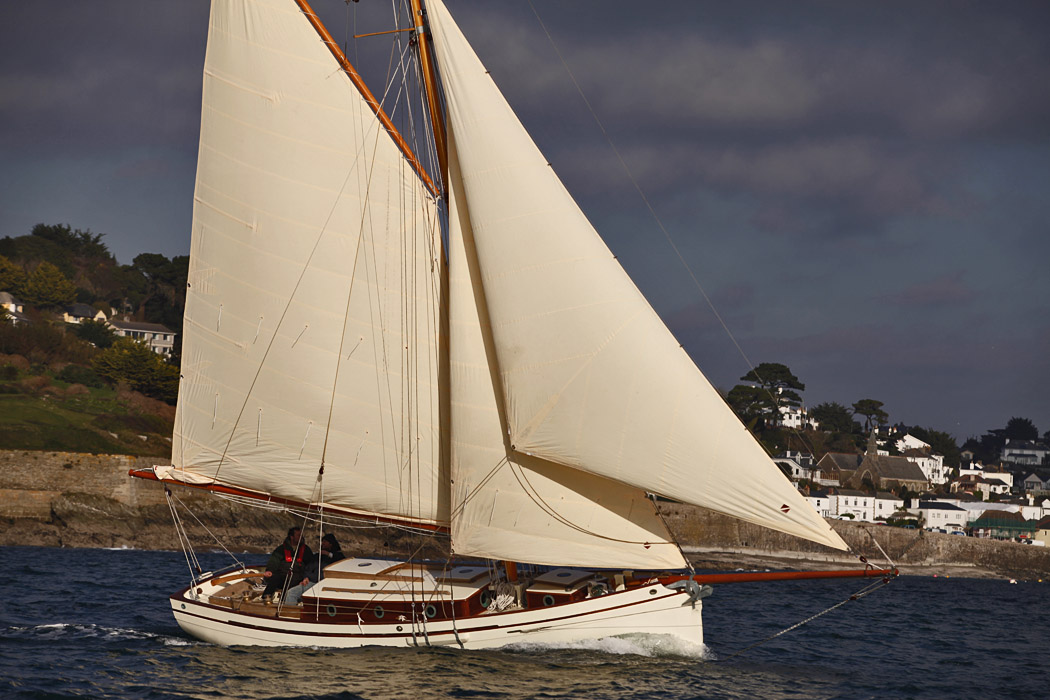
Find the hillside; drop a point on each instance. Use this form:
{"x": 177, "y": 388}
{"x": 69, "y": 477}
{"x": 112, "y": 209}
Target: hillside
{"x": 39, "y": 412}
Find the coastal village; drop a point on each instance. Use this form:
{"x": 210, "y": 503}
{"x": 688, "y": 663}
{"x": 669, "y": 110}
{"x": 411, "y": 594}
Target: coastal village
{"x": 912, "y": 488}
{"x": 73, "y": 318}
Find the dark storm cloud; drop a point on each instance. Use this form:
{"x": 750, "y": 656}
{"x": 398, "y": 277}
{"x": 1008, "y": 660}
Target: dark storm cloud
{"x": 855, "y": 111}
{"x": 861, "y": 186}
{"x": 90, "y": 77}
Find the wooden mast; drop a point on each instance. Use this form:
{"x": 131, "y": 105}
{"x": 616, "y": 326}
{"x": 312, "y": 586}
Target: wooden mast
{"x": 426, "y": 64}
{"x": 359, "y": 83}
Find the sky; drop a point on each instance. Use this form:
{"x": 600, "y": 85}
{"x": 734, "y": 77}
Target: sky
{"x": 862, "y": 190}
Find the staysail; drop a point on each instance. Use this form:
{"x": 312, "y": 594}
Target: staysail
{"x": 507, "y": 505}
{"x": 590, "y": 378}
{"x": 312, "y": 314}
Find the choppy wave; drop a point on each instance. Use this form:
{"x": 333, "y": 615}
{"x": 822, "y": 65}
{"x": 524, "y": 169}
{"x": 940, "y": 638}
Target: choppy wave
{"x": 73, "y": 632}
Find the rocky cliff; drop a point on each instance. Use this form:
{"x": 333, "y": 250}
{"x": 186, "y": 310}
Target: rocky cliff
{"x": 78, "y": 500}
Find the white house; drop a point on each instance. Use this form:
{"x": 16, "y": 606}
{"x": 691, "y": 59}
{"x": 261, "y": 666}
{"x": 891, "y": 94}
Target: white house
{"x": 938, "y": 514}
{"x": 160, "y": 339}
{"x": 856, "y": 503}
{"x": 821, "y": 502}
{"x": 989, "y": 472}
{"x": 1033, "y": 484}
{"x": 910, "y": 442}
{"x": 797, "y": 465}
{"x": 795, "y": 417}
{"x": 886, "y": 504}
{"x": 1024, "y": 452}
{"x": 13, "y": 307}
{"x": 932, "y": 465}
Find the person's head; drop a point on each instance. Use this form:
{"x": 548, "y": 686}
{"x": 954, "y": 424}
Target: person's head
{"x": 295, "y": 533}
{"x": 329, "y": 543}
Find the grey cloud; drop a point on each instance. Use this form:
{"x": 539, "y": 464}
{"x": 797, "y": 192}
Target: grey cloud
{"x": 943, "y": 290}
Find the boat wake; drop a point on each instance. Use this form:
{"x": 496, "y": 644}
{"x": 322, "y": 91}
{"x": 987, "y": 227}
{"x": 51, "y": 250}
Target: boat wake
{"x": 649, "y": 645}
{"x": 72, "y": 631}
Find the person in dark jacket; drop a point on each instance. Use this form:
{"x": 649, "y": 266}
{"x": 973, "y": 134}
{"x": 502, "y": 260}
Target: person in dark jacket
{"x": 330, "y": 553}
{"x": 286, "y": 568}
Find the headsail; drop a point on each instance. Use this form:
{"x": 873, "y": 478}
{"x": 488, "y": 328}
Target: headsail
{"x": 590, "y": 376}
{"x": 311, "y": 327}
{"x": 507, "y": 505}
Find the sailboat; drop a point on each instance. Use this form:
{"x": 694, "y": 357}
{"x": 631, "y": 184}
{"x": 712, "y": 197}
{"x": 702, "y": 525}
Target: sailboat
{"x": 452, "y": 352}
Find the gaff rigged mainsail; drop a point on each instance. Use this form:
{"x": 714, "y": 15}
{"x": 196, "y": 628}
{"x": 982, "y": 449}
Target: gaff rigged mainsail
{"x": 311, "y": 328}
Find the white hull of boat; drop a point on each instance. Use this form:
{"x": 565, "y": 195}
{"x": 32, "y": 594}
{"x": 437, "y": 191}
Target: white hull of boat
{"x": 651, "y": 609}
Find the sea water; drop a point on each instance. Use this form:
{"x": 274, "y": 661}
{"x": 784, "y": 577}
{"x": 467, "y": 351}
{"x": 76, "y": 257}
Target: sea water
{"x": 82, "y": 623}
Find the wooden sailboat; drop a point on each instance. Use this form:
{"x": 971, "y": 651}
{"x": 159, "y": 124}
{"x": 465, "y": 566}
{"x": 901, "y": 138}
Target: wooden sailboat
{"x": 456, "y": 352}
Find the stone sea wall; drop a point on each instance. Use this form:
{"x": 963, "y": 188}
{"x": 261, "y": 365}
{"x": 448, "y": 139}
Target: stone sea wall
{"x": 83, "y": 500}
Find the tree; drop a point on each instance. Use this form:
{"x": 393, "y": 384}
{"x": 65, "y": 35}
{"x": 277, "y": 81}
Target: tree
{"x": 48, "y": 287}
{"x": 943, "y": 444}
{"x": 759, "y": 406}
{"x": 778, "y": 381}
{"x": 97, "y": 333}
{"x": 833, "y": 417}
{"x": 872, "y": 412}
{"x": 12, "y": 277}
{"x": 130, "y": 361}
{"x": 1020, "y": 429}
{"x": 748, "y": 402}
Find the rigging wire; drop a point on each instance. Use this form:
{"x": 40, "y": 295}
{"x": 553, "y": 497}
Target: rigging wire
{"x": 656, "y": 218}
{"x": 867, "y": 590}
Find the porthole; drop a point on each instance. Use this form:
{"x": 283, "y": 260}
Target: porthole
{"x": 548, "y": 600}
{"x": 400, "y": 628}
{"x": 430, "y": 611}
{"x": 183, "y": 606}
{"x": 331, "y": 610}
{"x": 486, "y": 599}
{"x": 379, "y": 612}
{"x": 652, "y": 591}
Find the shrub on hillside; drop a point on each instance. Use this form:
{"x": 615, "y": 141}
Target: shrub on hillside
{"x": 76, "y": 374}
{"x": 34, "y": 383}
{"x": 41, "y": 343}
{"x": 142, "y": 369}
{"x": 16, "y": 361}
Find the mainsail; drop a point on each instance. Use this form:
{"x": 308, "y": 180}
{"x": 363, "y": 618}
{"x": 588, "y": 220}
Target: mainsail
{"x": 311, "y": 328}
{"x": 590, "y": 377}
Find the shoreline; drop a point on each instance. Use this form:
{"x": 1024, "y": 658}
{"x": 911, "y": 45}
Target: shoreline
{"x": 58, "y": 499}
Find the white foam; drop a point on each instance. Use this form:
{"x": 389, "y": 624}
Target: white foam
{"x": 629, "y": 644}
{"x": 90, "y": 631}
